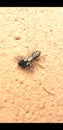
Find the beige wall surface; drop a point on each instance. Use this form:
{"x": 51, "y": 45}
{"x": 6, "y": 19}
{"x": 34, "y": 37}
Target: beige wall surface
{"x": 27, "y": 96}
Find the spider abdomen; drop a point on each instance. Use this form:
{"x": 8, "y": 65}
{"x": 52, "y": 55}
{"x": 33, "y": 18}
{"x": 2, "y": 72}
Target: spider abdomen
{"x": 36, "y": 54}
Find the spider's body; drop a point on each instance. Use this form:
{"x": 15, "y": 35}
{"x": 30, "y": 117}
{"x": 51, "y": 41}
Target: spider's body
{"x": 27, "y": 62}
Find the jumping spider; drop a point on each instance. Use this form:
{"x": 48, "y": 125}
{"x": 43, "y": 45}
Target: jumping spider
{"x": 28, "y": 62}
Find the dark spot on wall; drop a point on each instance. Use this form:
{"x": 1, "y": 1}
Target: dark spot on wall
{"x": 22, "y": 18}
{"x": 15, "y": 20}
{"x": 16, "y": 79}
{"x": 27, "y": 111}
{"x": 17, "y": 38}
{"x": 40, "y": 83}
{"x": 29, "y": 40}
{"x": 21, "y": 82}
{"x": 50, "y": 30}
{"x": 13, "y": 102}
{"x": 5, "y": 100}
{"x": 34, "y": 80}
{"x": 24, "y": 29}
{"x": 56, "y": 25}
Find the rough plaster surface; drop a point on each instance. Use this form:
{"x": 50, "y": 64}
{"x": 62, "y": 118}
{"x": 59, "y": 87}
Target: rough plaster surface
{"x": 26, "y": 96}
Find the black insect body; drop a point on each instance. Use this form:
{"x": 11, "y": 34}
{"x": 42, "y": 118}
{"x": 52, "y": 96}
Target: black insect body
{"x": 28, "y": 62}
{"x": 24, "y": 63}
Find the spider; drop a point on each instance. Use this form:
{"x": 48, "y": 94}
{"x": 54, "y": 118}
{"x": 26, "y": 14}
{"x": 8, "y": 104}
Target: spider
{"x": 28, "y": 62}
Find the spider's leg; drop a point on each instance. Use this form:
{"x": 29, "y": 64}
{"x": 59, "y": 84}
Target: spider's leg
{"x": 28, "y": 50}
{"x": 18, "y": 57}
{"x": 42, "y": 59}
{"x": 40, "y": 65}
{"x": 34, "y": 47}
{"x": 32, "y": 50}
{"x": 31, "y": 67}
{"x": 37, "y": 63}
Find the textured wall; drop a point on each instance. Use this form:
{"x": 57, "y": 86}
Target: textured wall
{"x": 26, "y": 96}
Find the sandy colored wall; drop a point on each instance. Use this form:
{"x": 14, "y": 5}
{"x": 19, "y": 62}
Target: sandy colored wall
{"x": 27, "y": 96}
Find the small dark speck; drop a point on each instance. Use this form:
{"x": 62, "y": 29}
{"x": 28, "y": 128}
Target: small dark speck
{"x": 5, "y": 100}
{"x": 24, "y": 29}
{"x": 15, "y": 20}
{"x": 13, "y": 102}
{"x": 50, "y": 30}
{"x": 21, "y": 82}
{"x": 17, "y": 38}
{"x": 27, "y": 111}
{"x": 34, "y": 80}
{"x": 16, "y": 79}
{"x": 22, "y": 18}
{"x": 56, "y": 24}
{"x": 40, "y": 83}
{"x": 29, "y": 40}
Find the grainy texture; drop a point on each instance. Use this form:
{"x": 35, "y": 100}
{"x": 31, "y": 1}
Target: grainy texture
{"x": 26, "y": 96}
